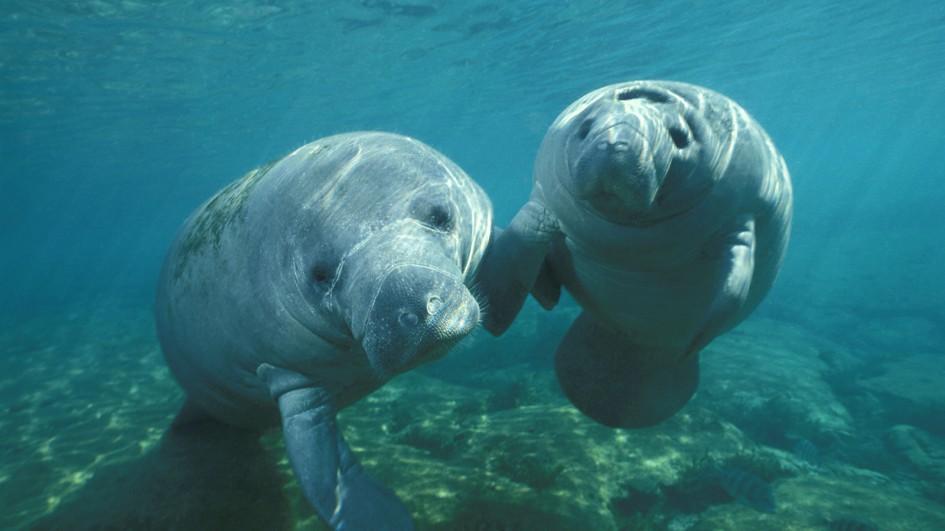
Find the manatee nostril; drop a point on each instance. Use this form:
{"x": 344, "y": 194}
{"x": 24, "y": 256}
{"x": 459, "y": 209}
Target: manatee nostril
{"x": 680, "y": 138}
{"x": 642, "y": 93}
{"x": 408, "y": 319}
{"x": 613, "y": 145}
{"x": 585, "y": 128}
{"x": 434, "y": 304}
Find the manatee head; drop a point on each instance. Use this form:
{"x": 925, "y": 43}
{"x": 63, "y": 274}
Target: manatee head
{"x": 402, "y": 298}
{"x": 633, "y": 153}
{"x": 392, "y": 234}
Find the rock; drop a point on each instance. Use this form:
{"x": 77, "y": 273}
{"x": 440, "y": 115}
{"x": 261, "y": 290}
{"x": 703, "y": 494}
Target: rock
{"x": 810, "y": 501}
{"x": 911, "y": 391}
{"x": 768, "y": 378}
{"x": 924, "y": 452}
{"x": 459, "y": 459}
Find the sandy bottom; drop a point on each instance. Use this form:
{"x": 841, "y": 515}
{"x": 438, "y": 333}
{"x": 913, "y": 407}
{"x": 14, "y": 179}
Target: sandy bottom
{"x": 482, "y": 439}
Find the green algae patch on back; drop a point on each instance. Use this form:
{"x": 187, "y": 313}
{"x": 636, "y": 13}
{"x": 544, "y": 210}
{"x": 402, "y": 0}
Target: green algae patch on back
{"x": 222, "y": 209}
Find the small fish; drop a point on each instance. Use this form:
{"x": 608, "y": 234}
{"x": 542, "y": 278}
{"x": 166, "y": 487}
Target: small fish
{"x": 807, "y": 451}
{"x": 850, "y": 524}
{"x": 747, "y": 489}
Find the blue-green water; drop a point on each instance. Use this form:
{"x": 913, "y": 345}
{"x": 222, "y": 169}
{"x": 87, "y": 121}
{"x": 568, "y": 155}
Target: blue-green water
{"x": 117, "y": 118}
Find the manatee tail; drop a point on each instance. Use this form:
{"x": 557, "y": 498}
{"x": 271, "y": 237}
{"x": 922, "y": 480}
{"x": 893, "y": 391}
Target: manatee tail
{"x": 612, "y": 381}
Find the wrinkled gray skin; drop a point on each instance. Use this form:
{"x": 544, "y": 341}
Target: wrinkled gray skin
{"x": 665, "y": 210}
{"x": 307, "y": 284}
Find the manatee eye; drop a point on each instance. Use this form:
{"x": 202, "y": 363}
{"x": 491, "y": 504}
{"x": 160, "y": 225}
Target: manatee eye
{"x": 439, "y": 218}
{"x": 585, "y": 128}
{"x": 322, "y": 275}
{"x": 436, "y": 215}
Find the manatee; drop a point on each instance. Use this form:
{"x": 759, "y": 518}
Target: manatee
{"x": 665, "y": 210}
{"x": 309, "y": 283}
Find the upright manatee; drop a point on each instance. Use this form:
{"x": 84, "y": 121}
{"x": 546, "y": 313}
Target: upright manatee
{"x": 665, "y": 209}
{"x": 307, "y": 284}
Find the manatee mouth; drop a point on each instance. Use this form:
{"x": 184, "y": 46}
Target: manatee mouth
{"x": 617, "y": 163}
{"x": 447, "y": 324}
{"x": 619, "y": 169}
{"x": 417, "y": 315}
{"x": 434, "y": 344}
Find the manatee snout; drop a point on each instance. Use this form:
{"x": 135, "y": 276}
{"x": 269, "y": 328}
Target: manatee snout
{"x": 627, "y": 154}
{"x": 617, "y": 164}
{"x": 417, "y": 314}
{"x": 620, "y": 167}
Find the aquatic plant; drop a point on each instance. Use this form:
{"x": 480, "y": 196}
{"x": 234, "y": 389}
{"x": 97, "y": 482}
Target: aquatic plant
{"x": 652, "y": 521}
{"x": 765, "y": 464}
{"x": 783, "y": 419}
{"x": 438, "y": 443}
{"x": 748, "y": 489}
{"x": 696, "y": 489}
{"x": 682, "y": 522}
{"x": 634, "y": 501}
{"x": 528, "y": 469}
{"x": 807, "y": 452}
{"x": 849, "y": 524}
{"x": 699, "y": 486}
{"x": 479, "y": 513}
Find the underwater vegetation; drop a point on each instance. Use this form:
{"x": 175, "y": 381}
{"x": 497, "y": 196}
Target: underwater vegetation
{"x": 748, "y": 489}
{"x": 747, "y": 477}
{"x": 850, "y": 524}
{"x": 429, "y": 439}
{"x": 807, "y": 451}
{"x": 96, "y": 453}
{"x": 530, "y": 470}
{"x": 634, "y": 502}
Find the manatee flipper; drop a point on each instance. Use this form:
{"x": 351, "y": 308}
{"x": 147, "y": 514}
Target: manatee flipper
{"x": 547, "y": 289}
{"x": 330, "y": 476}
{"x": 734, "y": 252}
{"x": 613, "y": 381}
{"x": 512, "y": 264}
{"x": 190, "y": 414}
